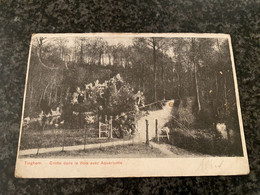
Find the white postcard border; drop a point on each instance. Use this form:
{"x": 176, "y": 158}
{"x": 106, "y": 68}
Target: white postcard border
{"x": 134, "y": 167}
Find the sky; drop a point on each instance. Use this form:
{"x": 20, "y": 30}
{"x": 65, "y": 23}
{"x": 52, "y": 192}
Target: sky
{"x": 126, "y": 41}
{"x": 123, "y": 40}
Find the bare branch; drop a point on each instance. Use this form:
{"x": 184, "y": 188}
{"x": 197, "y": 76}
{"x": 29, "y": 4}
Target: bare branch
{"x": 40, "y": 42}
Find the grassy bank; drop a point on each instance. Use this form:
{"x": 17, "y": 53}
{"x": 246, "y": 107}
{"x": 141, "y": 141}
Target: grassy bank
{"x": 201, "y": 141}
{"x": 124, "y": 151}
{"x": 54, "y": 138}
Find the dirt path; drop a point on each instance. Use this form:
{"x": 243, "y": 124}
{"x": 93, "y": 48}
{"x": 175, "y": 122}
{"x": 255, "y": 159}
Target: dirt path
{"x": 163, "y": 148}
{"x": 166, "y": 149}
{"x": 173, "y": 151}
{"x": 78, "y": 147}
{"x": 162, "y": 116}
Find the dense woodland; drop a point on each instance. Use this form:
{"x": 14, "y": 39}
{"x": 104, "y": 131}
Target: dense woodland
{"x": 160, "y": 68}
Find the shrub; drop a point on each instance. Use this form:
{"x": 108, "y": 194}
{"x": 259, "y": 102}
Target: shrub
{"x": 213, "y": 145}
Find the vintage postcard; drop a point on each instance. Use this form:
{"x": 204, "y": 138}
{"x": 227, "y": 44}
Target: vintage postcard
{"x": 131, "y": 105}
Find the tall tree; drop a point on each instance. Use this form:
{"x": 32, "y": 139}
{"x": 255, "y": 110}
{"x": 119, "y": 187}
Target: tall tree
{"x": 155, "y": 43}
{"x": 195, "y": 61}
{"x": 178, "y": 47}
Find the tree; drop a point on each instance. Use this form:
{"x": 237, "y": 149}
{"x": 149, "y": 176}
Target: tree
{"x": 195, "y": 61}
{"x": 41, "y": 41}
{"x": 156, "y": 44}
{"x": 178, "y": 49}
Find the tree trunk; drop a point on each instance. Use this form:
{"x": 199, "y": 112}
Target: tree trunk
{"x": 56, "y": 94}
{"x": 142, "y": 77}
{"x": 178, "y": 86}
{"x": 61, "y": 92}
{"x": 67, "y": 93}
{"x": 81, "y": 52}
{"x": 163, "y": 83}
{"x": 50, "y": 97}
{"x": 39, "y": 54}
{"x": 216, "y": 88}
{"x": 197, "y": 86}
{"x": 61, "y": 52}
{"x": 178, "y": 71}
{"x": 109, "y": 60}
{"x": 191, "y": 82}
{"x": 133, "y": 76}
{"x": 216, "y": 82}
{"x": 100, "y": 58}
{"x": 75, "y": 52}
{"x": 45, "y": 90}
{"x": 196, "y": 76}
{"x": 31, "y": 95}
{"x": 154, "y": 67}
{"x": 226, "y": 105}
{"x": 139, "y": 84}
{"x": 103, "y": 59}
{"x": 225, "y": 94}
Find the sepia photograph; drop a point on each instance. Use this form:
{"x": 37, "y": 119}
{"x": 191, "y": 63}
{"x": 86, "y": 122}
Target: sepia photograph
{"x": 111, "y": 98}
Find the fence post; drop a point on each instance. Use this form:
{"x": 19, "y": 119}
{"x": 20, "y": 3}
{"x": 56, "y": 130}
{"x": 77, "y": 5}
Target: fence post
{"x": 111, "y": 126}
{"x": 40, "y": 142}
{"x": 106, "y": 125}
{"x": 85, "y": 136}
{"x": 63, "y": 140}
{"x": 156, "y": 130}
{"x": 147, "y": 134}
{"x": 135, "y": 123}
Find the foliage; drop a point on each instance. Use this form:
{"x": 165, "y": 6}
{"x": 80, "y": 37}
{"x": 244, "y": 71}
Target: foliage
{"x": 114, "y": 97}
{"x": 162, "y": 68}
{"x": 204, "y": 143}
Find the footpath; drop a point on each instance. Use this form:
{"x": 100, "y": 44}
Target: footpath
{"x": 74, "y": 148}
